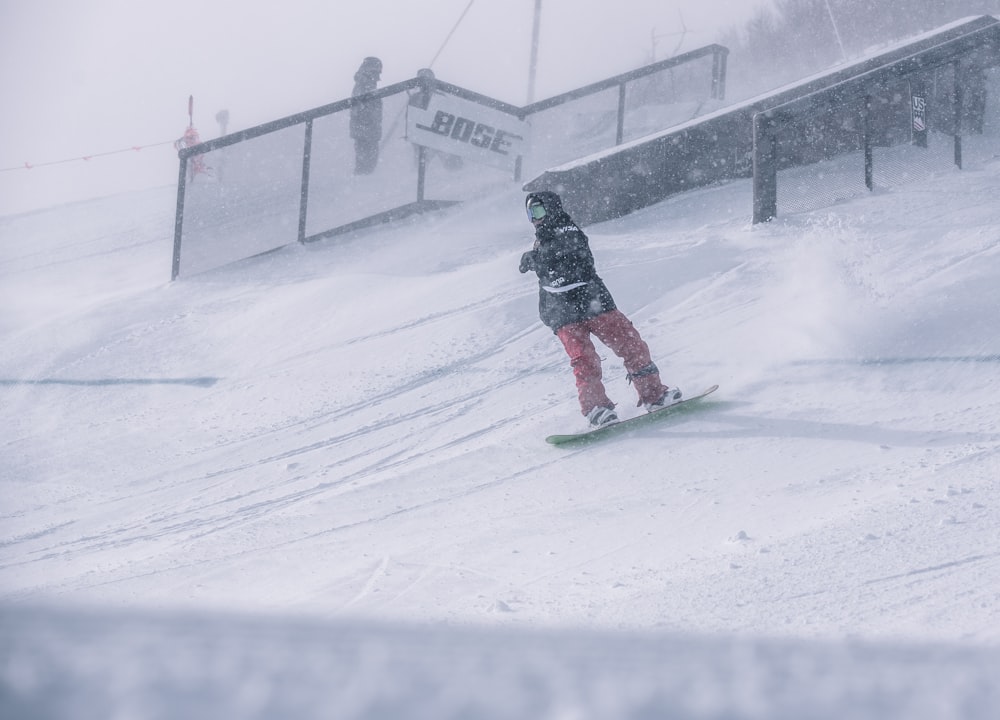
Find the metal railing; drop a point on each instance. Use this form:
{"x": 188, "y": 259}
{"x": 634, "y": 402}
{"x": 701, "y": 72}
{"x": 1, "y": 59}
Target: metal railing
{"x": 928, "y": 94}
{"x": 759, "y": 136}
{"x": 293, "y": 180}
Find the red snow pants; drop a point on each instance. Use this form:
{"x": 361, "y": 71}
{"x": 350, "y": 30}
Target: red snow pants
{"x": 617, "y": 332}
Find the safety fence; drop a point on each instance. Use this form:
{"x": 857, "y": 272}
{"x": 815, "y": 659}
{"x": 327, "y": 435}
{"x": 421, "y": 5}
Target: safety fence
{"x": 921, "y": 114}
{"x": 297, "y": 179}
{"x": 799, "y": 141}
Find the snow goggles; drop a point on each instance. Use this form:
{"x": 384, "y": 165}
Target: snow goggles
{"x": 536, "y": 211}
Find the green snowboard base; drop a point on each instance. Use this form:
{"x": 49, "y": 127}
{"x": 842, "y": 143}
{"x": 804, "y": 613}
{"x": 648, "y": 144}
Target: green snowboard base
{"x": 624, "y": 426}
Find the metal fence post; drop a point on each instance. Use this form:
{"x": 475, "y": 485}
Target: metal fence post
{"x": 959, "y": 101}
{"x": 765, "y": 170}
{"x": 421, "y": 171}
{"x": 620, "y": 135}
{"x": 719, "y": 59}
{"x": 304, "y": 193}
{"x": 866, "y": 139}
{"x": 179, "y": 219}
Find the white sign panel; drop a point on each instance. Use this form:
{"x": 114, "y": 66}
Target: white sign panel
{"x": 468, "y": 129}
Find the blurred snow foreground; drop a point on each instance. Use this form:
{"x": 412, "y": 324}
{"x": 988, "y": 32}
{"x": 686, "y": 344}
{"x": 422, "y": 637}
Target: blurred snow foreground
{"x": 90, "y": 665}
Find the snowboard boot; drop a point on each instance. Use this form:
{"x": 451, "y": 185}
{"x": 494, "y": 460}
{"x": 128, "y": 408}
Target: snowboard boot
{"x": 670, "y": 397}
{"x": 600, "y": 416}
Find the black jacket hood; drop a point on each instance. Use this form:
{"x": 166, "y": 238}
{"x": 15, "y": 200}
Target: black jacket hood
{"x": 371, "y": 69}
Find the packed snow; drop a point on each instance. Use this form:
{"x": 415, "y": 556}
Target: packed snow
{"x": 315, "y": 483}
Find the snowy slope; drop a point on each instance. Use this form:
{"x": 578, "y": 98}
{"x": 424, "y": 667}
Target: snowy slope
{"x": 347, "y": 437}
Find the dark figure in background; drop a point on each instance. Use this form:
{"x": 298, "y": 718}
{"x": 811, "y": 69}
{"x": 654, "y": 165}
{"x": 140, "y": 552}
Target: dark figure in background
{"x": 366, "y": 117}
{"x": 421, "y": 99}
{"x": 575, "y": 303}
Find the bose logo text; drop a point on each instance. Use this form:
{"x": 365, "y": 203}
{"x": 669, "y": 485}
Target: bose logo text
{"x": 469, "y": 131}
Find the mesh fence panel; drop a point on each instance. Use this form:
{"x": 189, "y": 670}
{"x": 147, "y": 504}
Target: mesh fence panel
{"x": 667, "y": 98}
{"x": 251, "y": 199}
{"x": 822, "y": 155}
{"x": 571, "y": 130}
{"x": 821, "y": 184}
{"x": 452, "y": 178}
{"x": 246, "y": 203}
{"x": 589, "y": 124}
{"x": 338, "y": 196}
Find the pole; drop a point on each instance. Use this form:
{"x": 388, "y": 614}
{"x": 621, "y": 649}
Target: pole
{"x": 765, "y": 170}
{"x": 533, "y": 63}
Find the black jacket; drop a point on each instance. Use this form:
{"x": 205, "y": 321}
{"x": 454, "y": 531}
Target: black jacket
{"x": 569, "y": 289}
{"x": 366, "y": 117}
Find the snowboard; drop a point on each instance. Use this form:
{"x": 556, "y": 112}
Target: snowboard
{"x": 623, "y": 426}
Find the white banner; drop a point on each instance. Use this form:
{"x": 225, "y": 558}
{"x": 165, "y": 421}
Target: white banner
{"x": 468, "y": 129}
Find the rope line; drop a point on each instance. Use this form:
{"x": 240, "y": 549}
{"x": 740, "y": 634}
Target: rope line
{"x": 450, "y": 33}
{"x": 134, "y": 148}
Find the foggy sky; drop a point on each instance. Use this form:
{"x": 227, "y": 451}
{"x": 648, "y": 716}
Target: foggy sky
{"x": 84, "y": 78}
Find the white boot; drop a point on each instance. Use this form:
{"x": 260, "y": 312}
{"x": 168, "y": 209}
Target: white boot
{"x": 671, "y": 397}
{"x": 601, "y": 416}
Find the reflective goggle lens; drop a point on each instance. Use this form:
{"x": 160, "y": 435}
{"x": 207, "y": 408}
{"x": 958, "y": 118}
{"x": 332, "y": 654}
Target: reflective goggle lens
{"x": 536, "y": 211}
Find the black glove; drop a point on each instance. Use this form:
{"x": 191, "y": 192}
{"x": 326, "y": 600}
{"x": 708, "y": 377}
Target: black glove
{"x": 527, "y": 261}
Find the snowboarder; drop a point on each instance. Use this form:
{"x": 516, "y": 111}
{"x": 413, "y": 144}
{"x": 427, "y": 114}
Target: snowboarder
{"x": 575, "y": 303}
